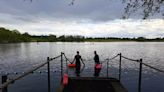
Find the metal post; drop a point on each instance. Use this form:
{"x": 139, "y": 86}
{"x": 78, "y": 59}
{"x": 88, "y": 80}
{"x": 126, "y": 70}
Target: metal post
{"x": 4, "y": 79}
{"x": 120, "y": 68}
{"x": 66, "y": 66}
{"x": 48, "y": 73}
{"x": 107, "y": 67}
{"x": 61, "y": 66}
{"x": 140, "y": 76}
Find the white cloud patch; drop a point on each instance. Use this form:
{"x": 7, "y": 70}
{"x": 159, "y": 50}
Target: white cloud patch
{"x": 114, "y": 28}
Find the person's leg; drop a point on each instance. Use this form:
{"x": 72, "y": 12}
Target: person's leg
{"x": 77, "y": 69}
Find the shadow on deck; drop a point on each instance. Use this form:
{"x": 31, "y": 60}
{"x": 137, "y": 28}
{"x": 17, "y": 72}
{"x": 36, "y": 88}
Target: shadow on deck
{"x": 92, "y": 84}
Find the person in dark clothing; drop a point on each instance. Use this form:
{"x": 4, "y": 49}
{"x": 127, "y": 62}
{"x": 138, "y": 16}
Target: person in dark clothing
{"x": 96, "y": 59}
{"x": 78, "y": 58}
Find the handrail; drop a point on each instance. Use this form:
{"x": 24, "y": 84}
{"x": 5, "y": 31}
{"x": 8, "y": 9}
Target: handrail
{"x": 113, "y": 57}
{"x": 140, "y": 68}
{"x": 159, "y": 70}
{"x": 109, "y": 60}
{"x": 66, "y": 58}
{"x": 129, "y": 59}
{"x": 25, "y": 74}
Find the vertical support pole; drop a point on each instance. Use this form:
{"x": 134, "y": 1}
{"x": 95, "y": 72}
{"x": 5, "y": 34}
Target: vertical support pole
{"x": 140, "y": 76}
{"x": 66, "y": 66}
{"x": 107, "y": 67}
{"x": 48, "y": 73}
{"x": 61, "y": 66}
{"x": 4, "y": 79}
{"x": 120, "y": 68}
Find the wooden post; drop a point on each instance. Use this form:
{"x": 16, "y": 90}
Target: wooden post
{"x": 120, "y": 68}
{"x": 48, "y": 73}
{"x": 4, "y": 79}
{"x": 140, "y": 76}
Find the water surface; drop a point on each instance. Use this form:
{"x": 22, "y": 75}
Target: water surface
{"x": 20, "y": 57}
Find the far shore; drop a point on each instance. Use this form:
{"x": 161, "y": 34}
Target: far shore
{"x": 81, "y": 41}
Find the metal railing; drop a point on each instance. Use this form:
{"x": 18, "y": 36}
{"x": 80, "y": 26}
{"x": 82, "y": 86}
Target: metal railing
{"x": 140, "y": 68}
{"x": 7, "y": 82}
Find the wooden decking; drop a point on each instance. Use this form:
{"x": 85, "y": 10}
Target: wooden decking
{"x": 92, "y": 84}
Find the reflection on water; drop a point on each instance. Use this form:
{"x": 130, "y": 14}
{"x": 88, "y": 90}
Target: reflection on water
{"x": 22, "y": 56}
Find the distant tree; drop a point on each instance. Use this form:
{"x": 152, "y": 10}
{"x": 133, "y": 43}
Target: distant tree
{"x": 62, "y": 38}
{"x": 52, "y": 38}
{"x": 26, "y": 37}
{"x": 16, "y": 31}
{"x": 141, "y": 39}
{"x": 26, "y": 34}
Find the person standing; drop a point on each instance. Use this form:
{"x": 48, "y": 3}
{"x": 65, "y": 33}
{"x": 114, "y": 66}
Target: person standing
{"x": 96, "y": 59}
{"x": 78, "y": 58}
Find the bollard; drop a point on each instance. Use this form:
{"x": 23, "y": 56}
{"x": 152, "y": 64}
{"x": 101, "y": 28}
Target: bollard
{"x": 4, "y": 79}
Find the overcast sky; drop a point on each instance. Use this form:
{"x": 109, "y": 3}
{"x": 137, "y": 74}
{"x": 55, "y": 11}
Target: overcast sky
{"x": 95, "y": 18}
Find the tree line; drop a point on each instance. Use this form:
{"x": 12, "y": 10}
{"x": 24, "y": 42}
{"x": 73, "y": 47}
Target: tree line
{"x": 13, "y": 36}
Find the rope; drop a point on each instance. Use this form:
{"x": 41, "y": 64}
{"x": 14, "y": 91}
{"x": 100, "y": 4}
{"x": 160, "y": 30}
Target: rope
{"x": 129, "y": 59}
{"x": 26, "y": 73}
{"x": 55, "y": 57}
{"x": 112, "y": 57}
{"x": 144, "y": 64}
{"x": 67, "y": 58}
{"x": 18, "y": 73}
{"x": 153, "y": 67}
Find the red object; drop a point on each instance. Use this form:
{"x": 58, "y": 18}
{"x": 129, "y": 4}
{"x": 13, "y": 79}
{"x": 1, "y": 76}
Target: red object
{"x": 71, "y": 65}
{"x": 65, "y": 79}
{"x": 98, "y": 66}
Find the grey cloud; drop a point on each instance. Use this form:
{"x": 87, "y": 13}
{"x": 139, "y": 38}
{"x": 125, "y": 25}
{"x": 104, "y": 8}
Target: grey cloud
{"x": 96, "y": 10}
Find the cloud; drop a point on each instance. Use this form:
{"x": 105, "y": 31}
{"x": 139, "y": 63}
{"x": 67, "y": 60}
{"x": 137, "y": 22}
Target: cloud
{"x": 113, "y": 28}
{"x": 96, "y": 10}
{"x": 95, "y": 18}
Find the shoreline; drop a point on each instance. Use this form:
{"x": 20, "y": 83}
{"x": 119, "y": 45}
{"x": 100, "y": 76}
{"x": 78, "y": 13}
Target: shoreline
{"x": 74, "y": 41}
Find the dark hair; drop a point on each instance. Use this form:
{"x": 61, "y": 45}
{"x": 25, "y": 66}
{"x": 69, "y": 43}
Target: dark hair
{"x": 78, "y": 52}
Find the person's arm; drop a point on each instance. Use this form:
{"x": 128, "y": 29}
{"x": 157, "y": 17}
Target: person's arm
{"x": 82, "y": 61}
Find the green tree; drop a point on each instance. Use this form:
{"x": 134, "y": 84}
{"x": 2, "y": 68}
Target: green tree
{"x": 52, "y": 38}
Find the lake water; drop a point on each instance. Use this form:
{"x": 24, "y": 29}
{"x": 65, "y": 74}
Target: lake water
{"x": 20, "y": 57}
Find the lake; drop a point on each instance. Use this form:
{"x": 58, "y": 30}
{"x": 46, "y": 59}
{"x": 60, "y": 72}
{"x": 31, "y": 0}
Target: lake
{"x": 19, "y": 57}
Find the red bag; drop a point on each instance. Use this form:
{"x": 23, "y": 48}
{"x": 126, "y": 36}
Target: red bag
{"x": 72, "y": 65}
{"x": 65, "y": 79}
{"x": 98, "y": 66}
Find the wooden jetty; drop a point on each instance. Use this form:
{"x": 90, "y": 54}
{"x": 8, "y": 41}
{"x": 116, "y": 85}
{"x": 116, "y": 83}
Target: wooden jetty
{"x": 92, "y": 84}
{"x": 82, "y": 84}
